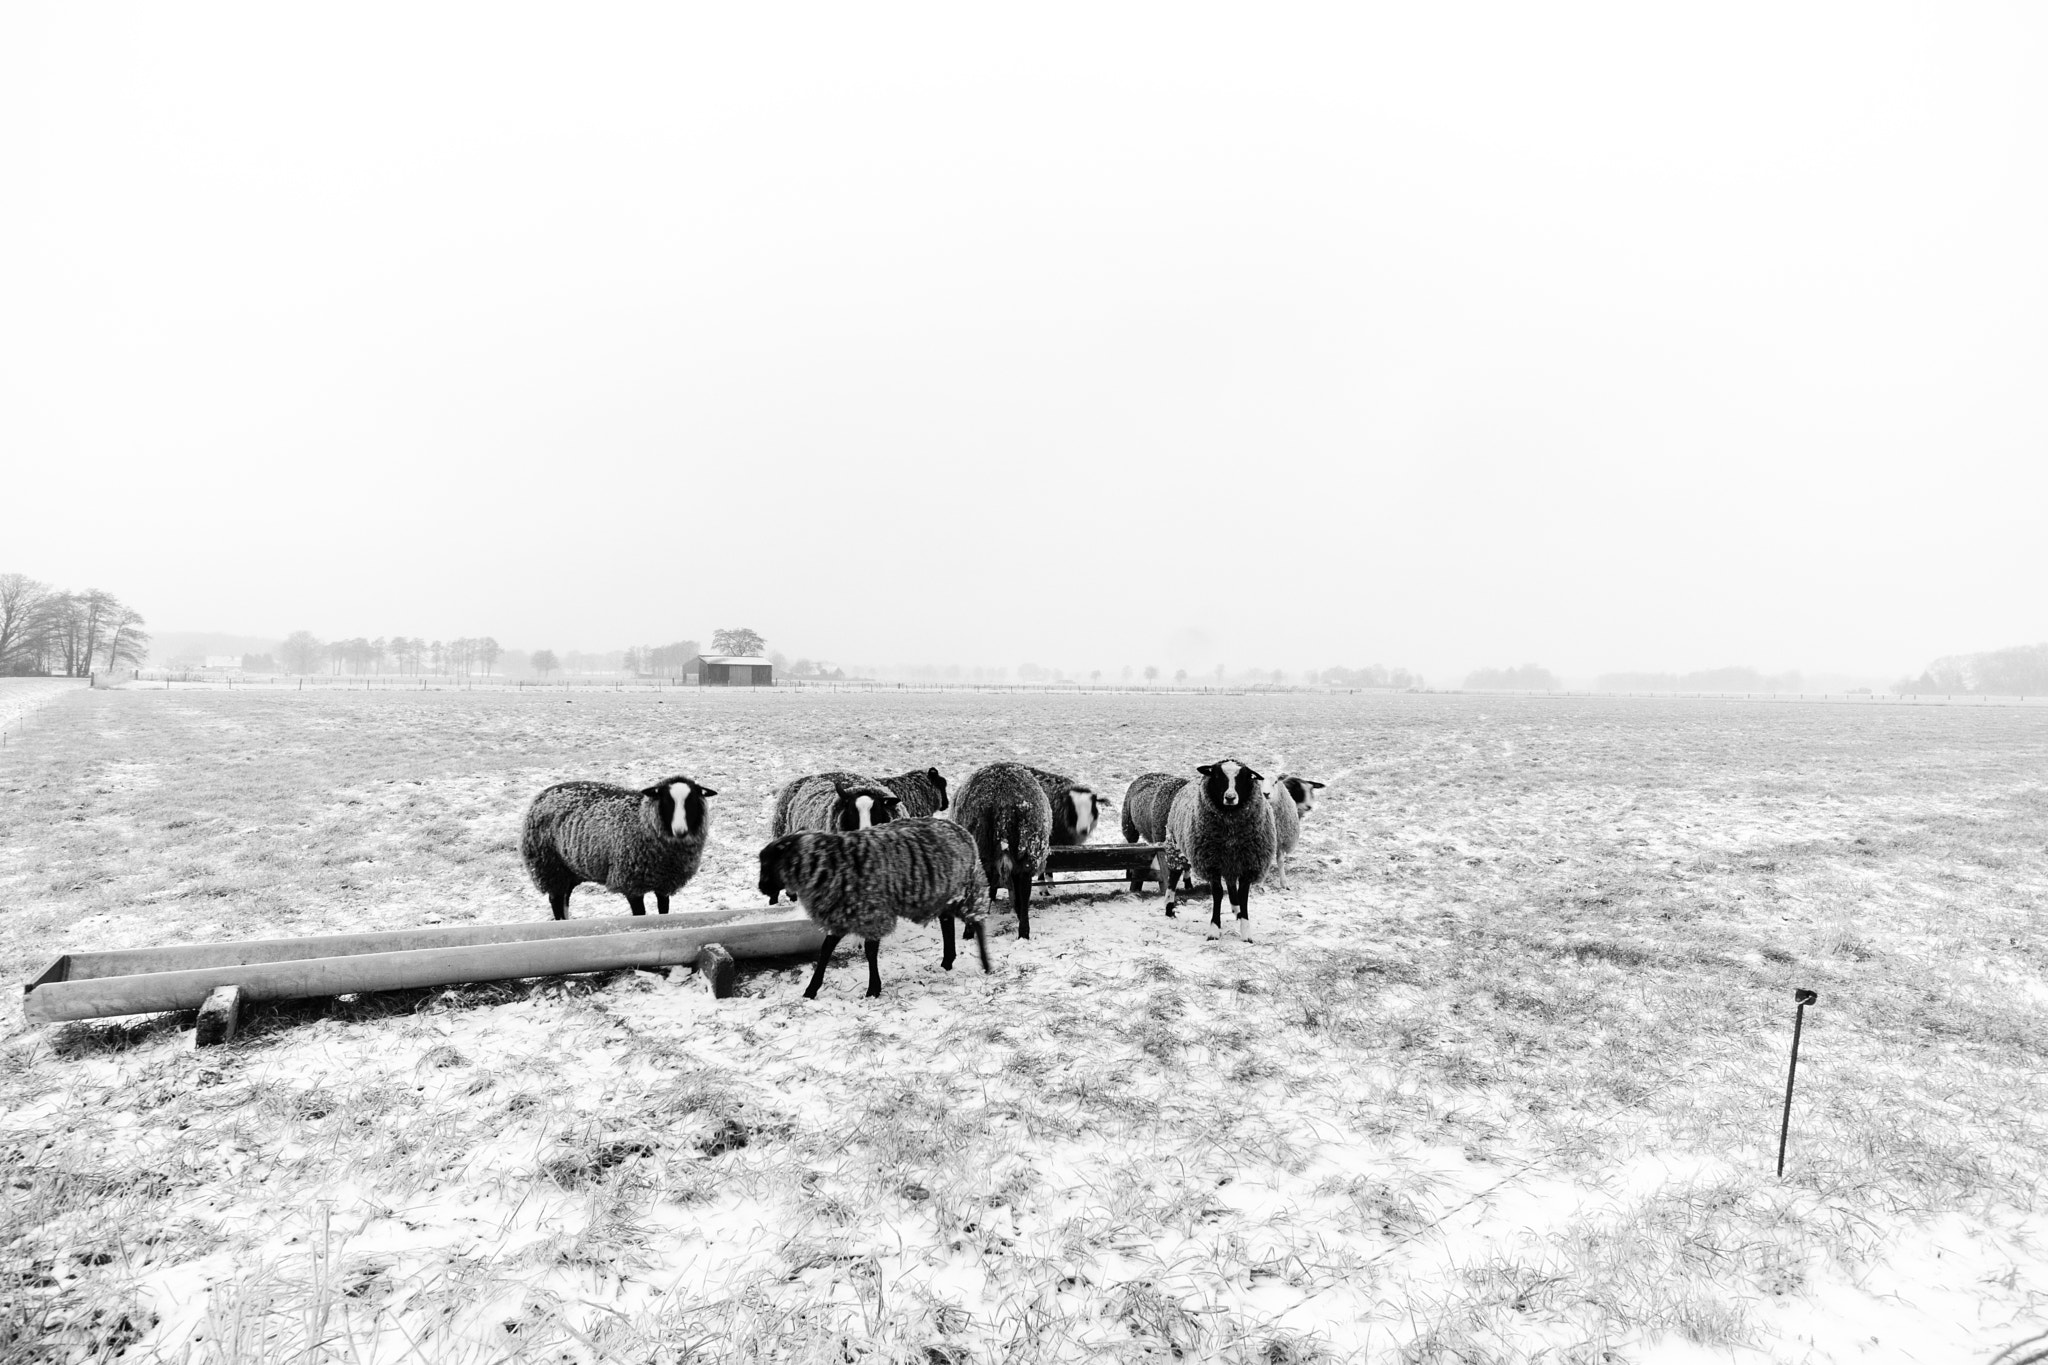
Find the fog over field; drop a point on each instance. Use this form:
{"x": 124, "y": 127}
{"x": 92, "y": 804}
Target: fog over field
{"x": 1610, "y": 339}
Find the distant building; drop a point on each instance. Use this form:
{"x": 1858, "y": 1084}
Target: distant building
{"x": 732, "y": 670}
{"x": 225, "y": 661}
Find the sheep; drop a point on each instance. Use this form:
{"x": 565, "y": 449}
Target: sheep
{"x": 862, "y": 881}
{"x": 1006, "y": 810}
{"x": 923, "y": 793}
{"x": 836, "y": 801}
{"x": 1293, "y": 797}
{"x": 627, "y": 841}
{"x": 1146, "y": 802}
{"x": 1222, "y": 829}
{"x": 1075, "y": 807}
{"x": 831, "y": 801}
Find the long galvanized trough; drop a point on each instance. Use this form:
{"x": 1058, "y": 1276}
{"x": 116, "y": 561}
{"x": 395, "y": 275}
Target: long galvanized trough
{"x": 152, "y": 980}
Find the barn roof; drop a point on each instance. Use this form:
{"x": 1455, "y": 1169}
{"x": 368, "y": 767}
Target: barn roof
{"x": 754, "y": 659}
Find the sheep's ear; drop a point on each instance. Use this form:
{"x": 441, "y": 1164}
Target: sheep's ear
{"x": 1207, "y": 770}
{"x": 892, "y": 802}
{"x": 705, "y": 791}
{"x": 1317, "y": 785}
{"x": 933, "y": 774}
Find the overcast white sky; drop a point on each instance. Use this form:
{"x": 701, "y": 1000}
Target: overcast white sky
{"x": 1605, "y": 337}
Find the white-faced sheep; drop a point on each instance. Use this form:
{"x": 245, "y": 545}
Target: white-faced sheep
{"x": 923, "y": 793}
{"x": 627, "y": 841}
{"x": 863, "y": 881}
{"x": 835, "y": 801}
{"x": 1222, "y": 829}
{"x": 1146, "y": 803}
{"x": 1005, "y": 809}
{"x": 1075, "y": 808}
{"x": 1293, "y": 797}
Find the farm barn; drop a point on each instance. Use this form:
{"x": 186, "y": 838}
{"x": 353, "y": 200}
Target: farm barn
{"x": 732, "y": 670}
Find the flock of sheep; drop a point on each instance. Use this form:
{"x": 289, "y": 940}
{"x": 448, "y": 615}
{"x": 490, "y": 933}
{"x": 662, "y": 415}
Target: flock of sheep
{"x": 860, "y": 853}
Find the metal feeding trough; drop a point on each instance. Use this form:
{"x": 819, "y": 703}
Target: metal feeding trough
{"x": 217, "y": 978}
{"x": 1133, "y": 863}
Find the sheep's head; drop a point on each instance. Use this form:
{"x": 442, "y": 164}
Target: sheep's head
{"x": 1075, "y": 816}
{"x": 863, "y": 807}
{"x": 675, "y": 807}
{"x": 1300, "y": 790}
{"x": 1229, "y": 784}
{"x": 778, "y": 857}
{"x": 940, "y": 783}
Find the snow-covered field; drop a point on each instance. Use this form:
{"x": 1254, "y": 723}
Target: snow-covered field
{"x": 20, "y": 698}
{"x": 1499, "y": 1079}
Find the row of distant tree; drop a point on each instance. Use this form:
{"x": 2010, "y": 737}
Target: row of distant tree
{"x": 305, "y": 652}
{"x": 1735, "y": 679}
{"x": 1527, "y": 678}
{"x": 1374, "y": 675}
{"x": 2021, "y": 671}
{"x": 1536, "y": 678}
{"x": 46, "y": 630}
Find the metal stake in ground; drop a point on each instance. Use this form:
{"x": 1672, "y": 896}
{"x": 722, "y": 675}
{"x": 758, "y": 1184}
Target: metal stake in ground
{"x": 1801, "y": 998}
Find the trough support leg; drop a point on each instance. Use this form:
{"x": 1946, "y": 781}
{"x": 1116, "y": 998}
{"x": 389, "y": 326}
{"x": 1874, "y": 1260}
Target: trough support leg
{"x": 219, "y": 1016}
{"x": 718, "y": 969}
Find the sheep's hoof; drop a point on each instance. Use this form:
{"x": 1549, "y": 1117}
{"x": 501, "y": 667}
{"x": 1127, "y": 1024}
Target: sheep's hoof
{"x": 1213, "y": 932}
{"x": 874, "y": 993}
{"x": 1170, "y": 913}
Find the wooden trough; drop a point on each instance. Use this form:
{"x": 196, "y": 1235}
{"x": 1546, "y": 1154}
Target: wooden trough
{"x": 154, "y": 980}
{"x": 1146, "y": 860}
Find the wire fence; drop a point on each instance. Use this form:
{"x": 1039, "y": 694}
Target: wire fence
{"x": 432, "y": 682}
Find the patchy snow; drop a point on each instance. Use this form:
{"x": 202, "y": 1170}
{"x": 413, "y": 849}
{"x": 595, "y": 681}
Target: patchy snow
{"x": 1498, "y": 1079}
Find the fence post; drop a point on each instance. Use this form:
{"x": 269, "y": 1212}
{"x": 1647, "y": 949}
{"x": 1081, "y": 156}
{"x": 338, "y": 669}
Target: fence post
{"x": 1802, "y": 999}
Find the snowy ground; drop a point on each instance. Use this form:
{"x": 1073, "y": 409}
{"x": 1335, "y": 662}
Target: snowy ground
{"x": 1499, "y": 1078}
{"x": 20, "y": 698}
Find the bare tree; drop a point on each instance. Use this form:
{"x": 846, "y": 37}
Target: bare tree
{"x": 544, "y": 662}
{"x": 22, "y": 625}
{"x": 127, "y": 642}
{"x": 1151, "y": 674}
{"x": 488, "y": 652}
{"x": 301, "y": 652}
{"x": 737, "y": 641}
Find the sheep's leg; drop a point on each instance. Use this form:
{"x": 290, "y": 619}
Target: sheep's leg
{"x": 946, "y": 932}
{"x": 1216, "y": 905}
{"x": 985, "y": 845}
{"x": 824, "y": 956}
{"x": 638, "y": 901}
{"x": 1020, "y": 898}
{"x": 661, "y": 902}
{"x": 980, "y": 932}
{"x": 1241, "y": 901}
{"x": 874, "y": 946}
{"x": 558, "y": 901}
{"x": 774, "y": 897}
